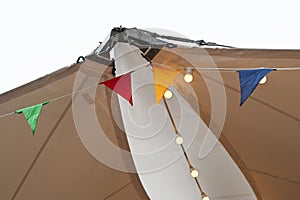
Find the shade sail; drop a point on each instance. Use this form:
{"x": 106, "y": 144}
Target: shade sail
{"x": 262, "y": 137}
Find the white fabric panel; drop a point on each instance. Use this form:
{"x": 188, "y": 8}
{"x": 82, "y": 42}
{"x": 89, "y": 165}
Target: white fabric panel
{"x": 162, "y": 168}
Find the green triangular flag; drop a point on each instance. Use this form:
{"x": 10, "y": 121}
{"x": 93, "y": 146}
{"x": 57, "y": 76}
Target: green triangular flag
{"x": 32, "y": 114}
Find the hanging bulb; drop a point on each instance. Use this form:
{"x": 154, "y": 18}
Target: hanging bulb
{"x": 204, "y": 196}
{"x": 194, "y": 172}
{"x": 188, "y": 77}
{"x": 263, "y": 80}
{"x": 168, "y": 94}
{"x": 179, "y": 139}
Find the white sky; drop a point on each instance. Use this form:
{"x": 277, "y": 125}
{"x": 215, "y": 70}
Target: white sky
{"x": 39, "y": 37}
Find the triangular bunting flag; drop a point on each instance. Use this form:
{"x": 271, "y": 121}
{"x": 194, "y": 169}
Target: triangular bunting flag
{"x": 121, "y": 85}
{"x": 162, "y": 79}
{"x": 32, "y": 114}
{"x": 249, "y": 80}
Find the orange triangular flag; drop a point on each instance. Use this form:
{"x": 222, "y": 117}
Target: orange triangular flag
{"x": 162, "y": 79}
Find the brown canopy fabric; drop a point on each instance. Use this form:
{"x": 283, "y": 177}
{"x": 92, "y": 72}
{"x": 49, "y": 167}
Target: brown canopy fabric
{"x": 262, "y": 137}
{"x": 54, "y": 164}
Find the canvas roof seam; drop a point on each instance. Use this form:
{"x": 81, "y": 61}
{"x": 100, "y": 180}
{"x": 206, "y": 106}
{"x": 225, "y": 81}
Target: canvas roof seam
{"x": 41, "y": 150}
{"x": 259, "y": 101}
{"x": 274, "y": 176}
{"x": 123, "y": 143}
{"x": 116, "y": 191}
{"x": 241, "y": 164}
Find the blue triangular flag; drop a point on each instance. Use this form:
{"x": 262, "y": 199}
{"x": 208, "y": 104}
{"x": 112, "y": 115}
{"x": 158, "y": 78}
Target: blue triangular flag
{"x": 249, "y": 80}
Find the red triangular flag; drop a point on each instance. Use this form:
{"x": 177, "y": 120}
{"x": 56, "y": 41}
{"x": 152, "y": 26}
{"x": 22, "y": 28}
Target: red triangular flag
{"x": 121, "y": 85}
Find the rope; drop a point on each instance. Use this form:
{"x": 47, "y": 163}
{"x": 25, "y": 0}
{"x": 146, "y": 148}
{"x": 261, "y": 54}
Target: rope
{"x": 7, "y": 114}
{"x": 78, "y": 91}
{"x": 181, "y": 145}
{"x": 180, "y": 39}
{"x": 222, "y": 69}
{"x": 216, "y": 69}
{"x": 57, "y": 98}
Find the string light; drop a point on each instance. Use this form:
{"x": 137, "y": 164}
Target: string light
{"x": 168, "y": 94}
{"x": 204, "y": 196}
{"x": 179, "y": 139}
{"x": 194, "y": 172}
{"x": 188, "y": 77}
{"x": 263, "y": 80}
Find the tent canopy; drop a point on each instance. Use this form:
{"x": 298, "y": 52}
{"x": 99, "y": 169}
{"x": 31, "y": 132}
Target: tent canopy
{"x": 262, "y": 136}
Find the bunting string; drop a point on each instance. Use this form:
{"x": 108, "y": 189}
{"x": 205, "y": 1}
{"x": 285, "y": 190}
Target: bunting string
{"x": 241, "y": 69}
{"x": 291, "y": 68}
{"x": 249, "y": 77}
{"x": 81, "y": 90}
{"x": 163, "y": 76}
{"x": 295, "y": 68}
{"x": 7, "y": 114}
{"x": 57, "y": 98}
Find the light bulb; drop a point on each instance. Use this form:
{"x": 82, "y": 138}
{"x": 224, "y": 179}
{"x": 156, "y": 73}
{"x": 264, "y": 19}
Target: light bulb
{"x": 263, "y": 80}
{"x": 194, "y": 172}
{"x": 205, "y": 197}
{"x": 188, "y": 77}
{"x": 168, "y": 94}
{"x": 179, "y": 139}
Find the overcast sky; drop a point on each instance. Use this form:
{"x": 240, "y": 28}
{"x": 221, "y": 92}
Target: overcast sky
{"x": 39, "y": 37}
